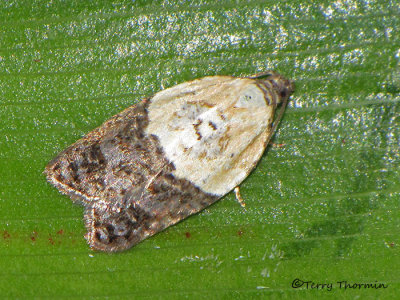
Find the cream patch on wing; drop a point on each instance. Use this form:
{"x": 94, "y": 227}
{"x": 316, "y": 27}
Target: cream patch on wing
{"x": 208, "y": 129}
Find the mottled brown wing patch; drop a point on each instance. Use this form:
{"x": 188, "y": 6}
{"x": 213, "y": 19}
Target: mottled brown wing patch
{"x": 122, "y": 177}
{"x": 109, "y": 160}
{"x": 143, "y": 212}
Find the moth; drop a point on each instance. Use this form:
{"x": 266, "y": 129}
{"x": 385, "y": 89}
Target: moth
{"x": 169, "y": 156}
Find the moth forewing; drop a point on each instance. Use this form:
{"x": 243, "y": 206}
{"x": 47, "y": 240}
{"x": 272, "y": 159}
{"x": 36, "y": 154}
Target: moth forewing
{"x": 169, "y": 156}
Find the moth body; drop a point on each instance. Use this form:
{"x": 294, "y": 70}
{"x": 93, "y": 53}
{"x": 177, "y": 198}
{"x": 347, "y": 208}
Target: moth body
{"x": 169, "y": 156}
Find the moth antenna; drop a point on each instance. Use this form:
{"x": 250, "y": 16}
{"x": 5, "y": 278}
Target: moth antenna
{"x": 262, "y": 74}
{"x": 277, "y": 119}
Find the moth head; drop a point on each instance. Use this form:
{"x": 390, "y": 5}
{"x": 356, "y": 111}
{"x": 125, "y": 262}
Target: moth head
{"x": 282, "y": 86}
{"x": 276, "y": 88}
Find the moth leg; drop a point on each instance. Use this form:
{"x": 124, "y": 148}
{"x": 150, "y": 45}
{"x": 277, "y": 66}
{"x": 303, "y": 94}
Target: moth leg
{"x": 239, "y": 197}
{"x": 275, "y": 145}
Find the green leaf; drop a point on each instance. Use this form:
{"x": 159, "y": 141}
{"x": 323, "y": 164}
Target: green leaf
{"x": 322, "y": 207}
